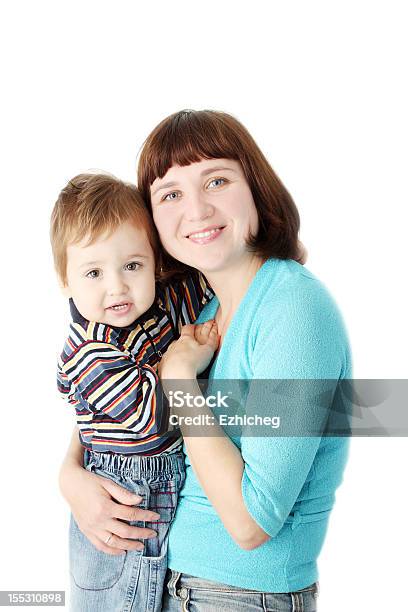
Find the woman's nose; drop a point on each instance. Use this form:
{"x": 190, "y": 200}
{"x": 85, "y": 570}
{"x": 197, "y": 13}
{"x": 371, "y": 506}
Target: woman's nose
{"x": 197, "y": 208}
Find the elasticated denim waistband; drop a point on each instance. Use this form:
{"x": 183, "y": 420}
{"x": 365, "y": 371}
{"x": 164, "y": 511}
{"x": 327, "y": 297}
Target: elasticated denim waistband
{"x": 136, "y": 466}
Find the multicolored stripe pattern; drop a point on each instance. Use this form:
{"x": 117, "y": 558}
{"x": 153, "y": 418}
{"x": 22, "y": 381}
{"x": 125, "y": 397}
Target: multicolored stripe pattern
{"x": 109, "y": 374}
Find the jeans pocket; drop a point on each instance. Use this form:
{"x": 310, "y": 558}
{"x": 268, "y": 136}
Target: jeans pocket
{"x": 163, "y": 500}
{"x": 305, "y": 600}
{"x": 90, "y": 568}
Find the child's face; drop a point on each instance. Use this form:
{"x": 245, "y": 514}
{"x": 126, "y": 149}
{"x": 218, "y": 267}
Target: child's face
{"x": 112, "y": 281}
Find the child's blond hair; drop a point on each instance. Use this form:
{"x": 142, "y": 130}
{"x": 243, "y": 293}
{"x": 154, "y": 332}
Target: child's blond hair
{"x": 91, "y": 205}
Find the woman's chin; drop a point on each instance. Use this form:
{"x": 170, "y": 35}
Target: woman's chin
{"x": 210, "y": 267}
{"x": 219, "y": 262}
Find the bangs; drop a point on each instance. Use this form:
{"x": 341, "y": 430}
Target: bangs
{"x": 185, "y": 138}
{"x": 104, "y": 217}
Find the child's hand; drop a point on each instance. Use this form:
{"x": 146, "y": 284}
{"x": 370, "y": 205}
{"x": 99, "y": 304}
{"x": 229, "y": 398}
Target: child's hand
{"x": 202, "y": 332}
{"x": 191, "y": 353}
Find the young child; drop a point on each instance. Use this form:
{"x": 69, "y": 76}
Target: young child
{"x": 107, "y": 258}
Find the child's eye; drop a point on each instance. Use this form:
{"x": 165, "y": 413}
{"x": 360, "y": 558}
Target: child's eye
{"x": 132, "y": 266}
{"x": 216, "y": 182}
{"x": 170, "y": 197}
{"x": 93, "y": 273}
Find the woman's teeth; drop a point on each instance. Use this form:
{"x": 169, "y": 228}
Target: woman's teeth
{"x": 205, "y": 234}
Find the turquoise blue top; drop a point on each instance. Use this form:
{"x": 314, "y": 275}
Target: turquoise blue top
{"x": 287, "y": 326}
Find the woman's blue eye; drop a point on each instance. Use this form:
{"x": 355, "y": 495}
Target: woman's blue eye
{"x": 93, "y": 273}
{"x": 171, "y": 196}
{"x": 217, "y": 182}
{"x": 132, "y": 266}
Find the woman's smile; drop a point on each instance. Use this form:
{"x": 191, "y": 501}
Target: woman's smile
{"x": 206, "y": 236}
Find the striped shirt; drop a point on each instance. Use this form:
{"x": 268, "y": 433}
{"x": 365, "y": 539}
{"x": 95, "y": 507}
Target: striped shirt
{"x": 109, "y": 374}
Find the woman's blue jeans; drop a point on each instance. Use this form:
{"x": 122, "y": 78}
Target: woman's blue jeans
{"x": 186, "y": 593}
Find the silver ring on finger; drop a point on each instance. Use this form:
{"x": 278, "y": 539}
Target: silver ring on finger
{"x": 108, "y": 538}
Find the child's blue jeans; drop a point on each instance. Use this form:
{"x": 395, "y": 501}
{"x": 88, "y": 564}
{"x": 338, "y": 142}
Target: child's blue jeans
{"x": 133, "y": 581}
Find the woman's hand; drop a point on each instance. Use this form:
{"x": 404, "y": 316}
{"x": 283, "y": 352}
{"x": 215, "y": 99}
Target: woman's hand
{"x": 191, "y": 353}
{"x": 100, "y": 506}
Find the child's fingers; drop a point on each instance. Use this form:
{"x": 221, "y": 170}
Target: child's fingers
{"x": 197, "y": 331}
{"x": 197, "y": 328}
{"x": 206, "y": 330}
{"x": 187, "y": 330}
{"x": 202, "y": 331}
{"x": 213, "y": 337}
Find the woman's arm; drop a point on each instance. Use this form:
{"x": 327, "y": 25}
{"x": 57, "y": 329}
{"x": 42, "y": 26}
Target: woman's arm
{"x": 216, "y": 461}
{"x": 219, "y": 468}
{"x": 75, "y": 452}
{"x": 99, "y": 505}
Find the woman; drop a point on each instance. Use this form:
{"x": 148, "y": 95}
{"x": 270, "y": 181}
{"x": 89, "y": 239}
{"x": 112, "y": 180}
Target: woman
{"x": 254, "y": 510}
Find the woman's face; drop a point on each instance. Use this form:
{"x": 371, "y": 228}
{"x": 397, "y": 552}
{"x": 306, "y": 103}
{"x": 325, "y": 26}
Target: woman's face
{"x": 204, "y": 212}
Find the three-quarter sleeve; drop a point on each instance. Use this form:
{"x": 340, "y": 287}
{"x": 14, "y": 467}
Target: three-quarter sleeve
{"x": 299, "y": 336}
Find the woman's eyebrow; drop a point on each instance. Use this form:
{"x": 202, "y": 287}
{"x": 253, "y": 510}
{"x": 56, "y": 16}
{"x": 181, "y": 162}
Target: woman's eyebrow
{"x": 216, "y": 169}
{"x": 164, "y": 186}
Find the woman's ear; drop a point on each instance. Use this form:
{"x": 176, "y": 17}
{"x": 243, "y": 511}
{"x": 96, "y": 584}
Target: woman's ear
{"x": 302, "y": 253}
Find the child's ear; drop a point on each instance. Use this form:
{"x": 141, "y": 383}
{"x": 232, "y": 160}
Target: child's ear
{"x": 65, "y": 290}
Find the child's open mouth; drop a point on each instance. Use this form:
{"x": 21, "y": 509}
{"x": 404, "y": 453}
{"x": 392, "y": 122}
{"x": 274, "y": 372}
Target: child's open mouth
{"x": 121, "y": 308}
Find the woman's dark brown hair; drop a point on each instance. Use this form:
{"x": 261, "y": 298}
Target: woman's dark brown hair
{"x": 190, "y": 136}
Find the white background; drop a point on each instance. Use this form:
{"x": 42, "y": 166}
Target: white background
{"x": 322, "y": 88}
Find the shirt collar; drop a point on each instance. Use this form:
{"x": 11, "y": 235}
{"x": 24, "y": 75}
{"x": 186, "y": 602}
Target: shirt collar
{"x": 78, "y": 318}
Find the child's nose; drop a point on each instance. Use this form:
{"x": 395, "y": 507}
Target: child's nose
{"x": 117, "y": 286}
